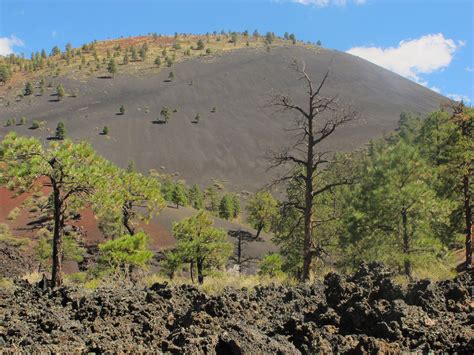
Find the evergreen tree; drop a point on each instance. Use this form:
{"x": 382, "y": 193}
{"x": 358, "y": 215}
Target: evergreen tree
{"x": 125, "y": 253}
{"x": 292, "y": 37}
{"x": 235, "y": 206}
{"x": 394, "y": 209}
{"x": 133, "y": 198}
{"x": 212, "y": 201}
{"x": 142, "y": 54}
{"x": 112, "y": 67}
{"x": 196, "y": 198}
{"x": 165, "y": 113}
{"x": 60, "y": 131}
{"x": 74, "y": 173}
{"x": 158, "y": 61}
{"x": 134, "y": 54}
{"x": 271, "y": 265}
{"x": 29, "y": 89}
{"x": 262, "y": 209}
{"x": 200, "y": 244}
{"x": 5, "y": 73}
{"x": 60, "y": 92}
{"x": 226, "y": 207}
{"x": 447, "y": 142}
{"x": 200, "y": 44}
{"x": 179, "y": 195}
{"x": 55, "y": 51}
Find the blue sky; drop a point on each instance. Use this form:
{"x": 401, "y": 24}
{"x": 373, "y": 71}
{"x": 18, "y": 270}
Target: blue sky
{"x": 428, "y": 41}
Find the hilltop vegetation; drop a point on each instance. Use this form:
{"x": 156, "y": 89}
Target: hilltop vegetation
{"x": 125, "y": 55}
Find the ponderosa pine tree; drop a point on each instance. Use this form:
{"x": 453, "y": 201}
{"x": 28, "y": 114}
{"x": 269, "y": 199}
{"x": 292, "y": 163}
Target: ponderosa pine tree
{"x": 195, "y": 197}
{"x": 200, "y": 44}
{"x": 73, "y": 171}
{"x": 125, "y": 253}
{"x": 29, "y": 89}
{"x": 158, "y": 61}
{"x": 5, "y": 73}
{"x": 165, "y": 113}
{"x": 262, "y": 209}
{"x": 394, "y": 208}
{"x": 226, "y": 207}
{"x": 112, "y": 67}
{"x": 60, "y": 92}
{"x": 133, "y": 198}
{"x": 200, "y": 244}
{"x": 446, "y": 140}
{"x": 179, "y": 195}
{"x": 60, "y": 131}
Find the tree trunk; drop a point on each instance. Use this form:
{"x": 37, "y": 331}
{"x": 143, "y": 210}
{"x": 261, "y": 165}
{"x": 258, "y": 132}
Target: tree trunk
{"x": 191, "y": 270}
{"x": 239, "y": 252}
{"x": 308, "y": 206}
{"x": 126, "y": 218}
{"x": 259, "y": 230}
{"x": 406, "y": 245}
{"x": 200, "y": 274}
{"x": 468, "y": 216}
{"x": 56, "y": 279}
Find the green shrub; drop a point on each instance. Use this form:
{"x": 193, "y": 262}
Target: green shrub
{"x": 125, "y": 252}
{"x": 271, "y": 265}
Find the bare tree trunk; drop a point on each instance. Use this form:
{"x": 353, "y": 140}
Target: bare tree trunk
{"x": 259, "y": 230}
{"x": 239, "y": 252}
{"x": 406, "y": 245}
{"x": 313, "y": 127}
{"x": 56, "y": 279}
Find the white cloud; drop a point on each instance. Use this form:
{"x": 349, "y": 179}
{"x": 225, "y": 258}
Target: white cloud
{"x": 469, "y": 69}
{"x": 436, "y": 89}
{"x": 458, "y": 97}
{"x": 324, "y": 3}
{"x": 7, "y": 44}
{"x": 412, "y": 58}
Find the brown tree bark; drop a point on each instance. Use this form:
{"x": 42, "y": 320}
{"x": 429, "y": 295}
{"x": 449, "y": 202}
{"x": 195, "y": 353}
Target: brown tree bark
{"x": 56, "y": 276}
{"x": 316, "y": 122}
{"x": 406, "y": 245}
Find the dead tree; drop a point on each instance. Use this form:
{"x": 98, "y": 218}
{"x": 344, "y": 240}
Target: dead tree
{"x": 242, "y": 239}
{"x": 314, "y": 122}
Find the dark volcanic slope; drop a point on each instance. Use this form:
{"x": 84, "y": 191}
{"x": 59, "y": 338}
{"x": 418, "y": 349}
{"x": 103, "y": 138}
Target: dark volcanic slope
{"x": 230, "y": 144}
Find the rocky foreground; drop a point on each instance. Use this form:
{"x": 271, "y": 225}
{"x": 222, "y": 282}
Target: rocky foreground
{"x": 362, "y": 313}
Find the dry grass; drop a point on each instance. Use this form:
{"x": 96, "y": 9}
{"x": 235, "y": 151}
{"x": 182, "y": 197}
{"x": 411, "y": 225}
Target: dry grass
{"x": 218, "y": 282}
{"x": 33, "y": 277}
{"x": 6, "y": 283}
{"x": 8, "y": 238}
{"x": 13, "y": 214}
